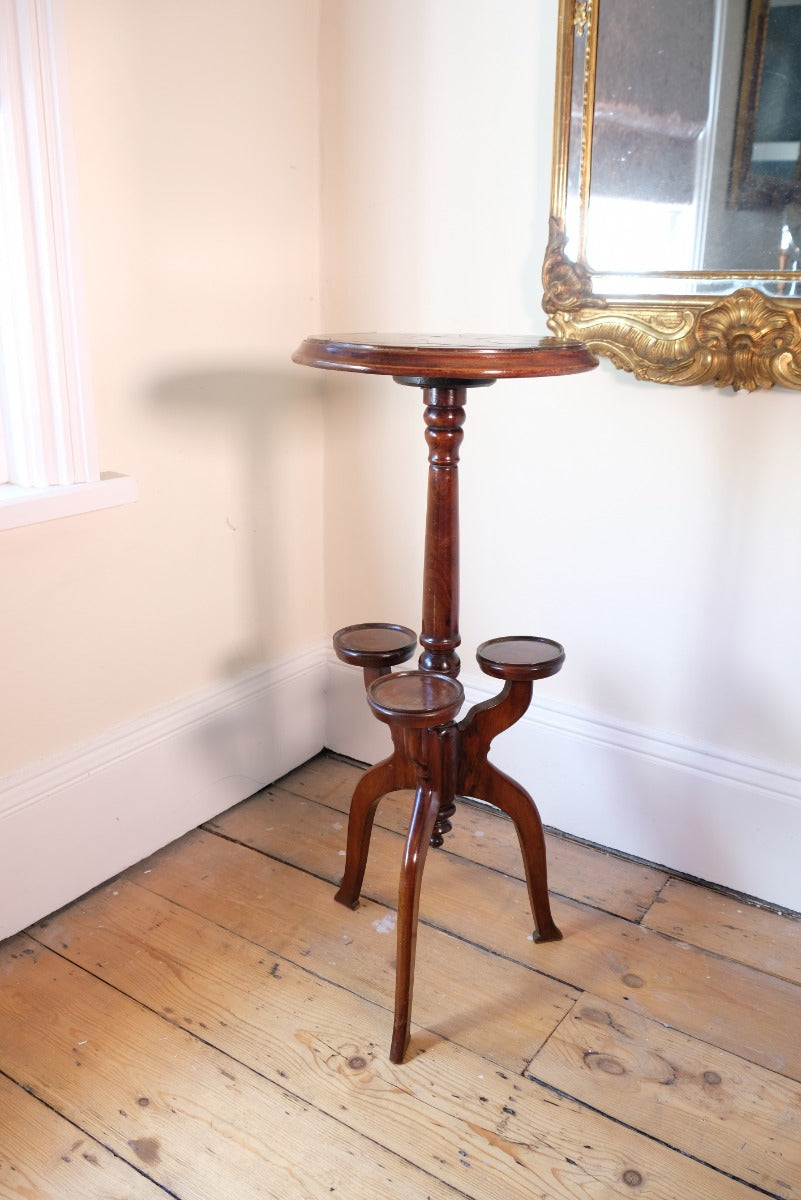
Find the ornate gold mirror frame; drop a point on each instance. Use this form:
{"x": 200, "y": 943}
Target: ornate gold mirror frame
{"x": 733, "y": 328}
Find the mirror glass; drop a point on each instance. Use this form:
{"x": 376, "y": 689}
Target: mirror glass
{"x": 683, "y": 147}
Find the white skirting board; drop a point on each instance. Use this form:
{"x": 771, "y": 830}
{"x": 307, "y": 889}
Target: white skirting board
{"x": 693, "y": 809}
{"x": 75, "y": 820}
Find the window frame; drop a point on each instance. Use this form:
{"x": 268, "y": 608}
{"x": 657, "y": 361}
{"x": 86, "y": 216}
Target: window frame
{"x": 47, "y": 436}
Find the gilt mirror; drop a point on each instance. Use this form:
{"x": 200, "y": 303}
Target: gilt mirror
{"x": 675, "y": 232}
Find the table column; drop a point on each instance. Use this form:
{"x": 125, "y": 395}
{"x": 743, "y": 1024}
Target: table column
{"x": 439, "y": 636}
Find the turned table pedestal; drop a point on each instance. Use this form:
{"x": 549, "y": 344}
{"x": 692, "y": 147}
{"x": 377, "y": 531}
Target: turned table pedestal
{"x": 438, "y": 756}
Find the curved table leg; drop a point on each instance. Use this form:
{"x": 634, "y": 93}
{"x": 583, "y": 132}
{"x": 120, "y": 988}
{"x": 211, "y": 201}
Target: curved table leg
{"x": 479, "y": 778}
{"x": 511, "y": 798}
{"x": 421, "y": 826}
{"x": 390, "y": 775}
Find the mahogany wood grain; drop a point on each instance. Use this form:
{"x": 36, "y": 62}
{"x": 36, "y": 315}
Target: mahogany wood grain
{"x": 376, "y": 648}
{"x": 439, "y": 637}
{"x": 478, "y": 777}
{"x": 434, "y": 356}
{"x": 421, "y": 706}
{"x": 602, "y": 880}
{"x": 444, "y": 368}
{"x": 392, "y": 774}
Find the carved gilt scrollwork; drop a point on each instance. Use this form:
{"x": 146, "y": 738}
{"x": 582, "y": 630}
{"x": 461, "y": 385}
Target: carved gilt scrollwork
{"x": 743, "y": 338}
{"x": 567, "y": 285}
{"x": 581, "y": 16}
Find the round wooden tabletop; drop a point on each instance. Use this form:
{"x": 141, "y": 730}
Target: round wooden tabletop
{"x": 435, "y": 357}
{"x": 522, "y": 657}
{"x": 416, "y": 699}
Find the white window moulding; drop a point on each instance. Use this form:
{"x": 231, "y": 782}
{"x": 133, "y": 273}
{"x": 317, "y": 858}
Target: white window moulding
{"x": 28, "y": 506}
{"x": 48, "y": 455}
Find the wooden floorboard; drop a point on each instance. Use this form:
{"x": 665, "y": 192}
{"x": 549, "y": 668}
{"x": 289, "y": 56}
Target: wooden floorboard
{"x": 581, "y": 872}
{"x": 725, "y": 925}
{"x": 211, "y": 1024}
{"x": 700, "y": 993}
{"x": 42, "y": 1154}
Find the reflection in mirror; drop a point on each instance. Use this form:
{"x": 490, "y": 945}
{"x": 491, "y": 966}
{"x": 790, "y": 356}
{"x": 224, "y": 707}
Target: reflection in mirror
{"x": 676, "y": 182}
{"x": 651, "y": 135}
{"x": 689, "y": 169}
{"x": 765, "y": 170}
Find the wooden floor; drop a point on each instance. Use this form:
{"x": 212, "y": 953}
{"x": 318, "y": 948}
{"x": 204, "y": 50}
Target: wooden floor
{"x": 211, "y": 1024}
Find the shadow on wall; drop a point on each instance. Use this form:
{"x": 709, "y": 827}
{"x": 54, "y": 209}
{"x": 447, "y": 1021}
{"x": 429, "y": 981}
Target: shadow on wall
{"x": 269, "y": 425}
{"x": 376, "y": 464}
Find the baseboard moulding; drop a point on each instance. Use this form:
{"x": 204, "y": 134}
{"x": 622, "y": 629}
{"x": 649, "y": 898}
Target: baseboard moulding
{"x": 70, "y": 822}
{"x": 696, "y": 810}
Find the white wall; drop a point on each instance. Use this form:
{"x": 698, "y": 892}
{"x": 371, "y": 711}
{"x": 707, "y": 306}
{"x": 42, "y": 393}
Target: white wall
{"x": 653, "y": 530}
{"x": 123, "y": 632}
{"x": 163, "y": 660}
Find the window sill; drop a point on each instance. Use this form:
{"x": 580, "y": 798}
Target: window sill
{"x": 28, "y": 506}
